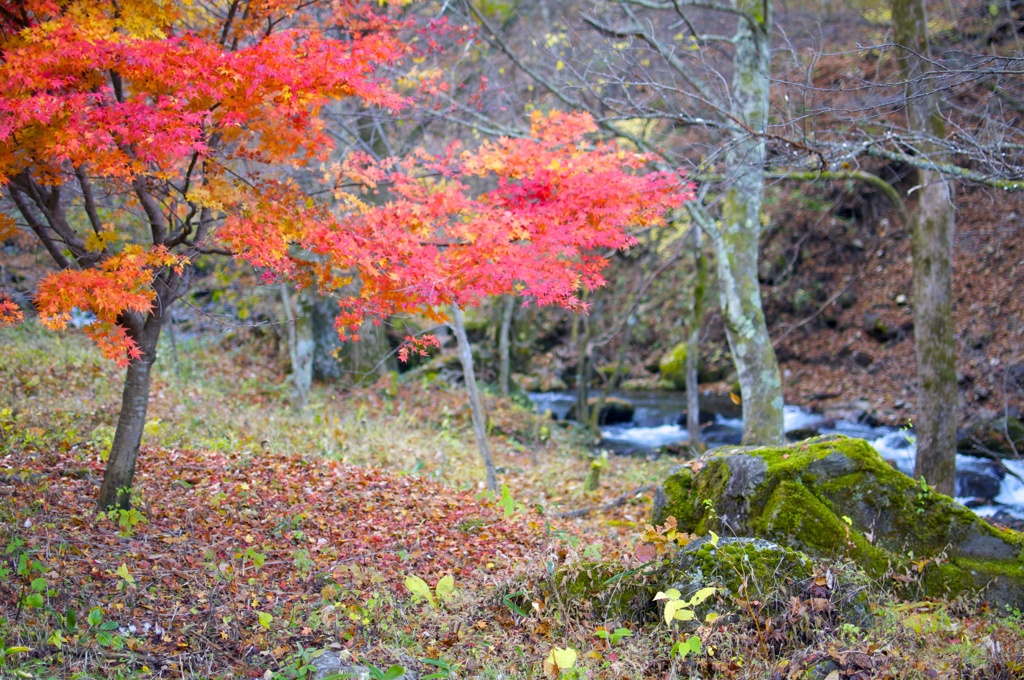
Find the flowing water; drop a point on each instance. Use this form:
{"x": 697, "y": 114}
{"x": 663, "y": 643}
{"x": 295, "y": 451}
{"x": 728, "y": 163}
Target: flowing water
{"x": 659, "y": 421}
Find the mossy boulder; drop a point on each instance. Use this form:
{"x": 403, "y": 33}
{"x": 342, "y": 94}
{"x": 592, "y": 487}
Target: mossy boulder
{"x": 741, "y": 568}
{"x": 672, "y": 367}
{"x": 613, "y": 411}
{"x": 711, "y": 367}
{"x": 836, "y": 497}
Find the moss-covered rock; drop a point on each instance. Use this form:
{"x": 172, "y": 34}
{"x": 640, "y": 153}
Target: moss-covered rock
{"x": 835, "y": 497}
{"x": 741, "y": 568}
{"x": 613, "y": 411}
{"x": 672, "y": 366}
{"x": 712, "y": 366}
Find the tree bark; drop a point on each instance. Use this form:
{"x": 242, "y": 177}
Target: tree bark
{"x": 508, "y": 305}
{"x": 932, "y": 225}
{"x": 300, "y": 349}
{"x": 693, "y": 342}
{"x": 120, "y": 471}
{"x": 736, "y": 239}
{"x": 476, "y": 407}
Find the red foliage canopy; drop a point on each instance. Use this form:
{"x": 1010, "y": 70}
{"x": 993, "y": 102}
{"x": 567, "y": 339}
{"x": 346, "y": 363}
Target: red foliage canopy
{"x": 187, "y": 122}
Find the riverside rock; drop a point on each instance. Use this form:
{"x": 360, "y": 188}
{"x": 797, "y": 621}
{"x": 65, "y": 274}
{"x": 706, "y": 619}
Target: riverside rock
{"x": 836, "y": 497}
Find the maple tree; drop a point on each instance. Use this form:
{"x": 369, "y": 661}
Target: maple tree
{"x": 137, "y": 137}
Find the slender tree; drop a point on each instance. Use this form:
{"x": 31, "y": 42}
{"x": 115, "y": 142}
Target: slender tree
{"x": 932, "y": 228}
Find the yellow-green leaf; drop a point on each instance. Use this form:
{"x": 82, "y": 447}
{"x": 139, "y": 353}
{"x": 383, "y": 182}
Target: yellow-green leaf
{"x": 419, "y": 589}
{"x": 670, "y": 594}
{"x": 701, "y": 595}
{"x": 446, "y": 588}
{"x": 122, "y": 571}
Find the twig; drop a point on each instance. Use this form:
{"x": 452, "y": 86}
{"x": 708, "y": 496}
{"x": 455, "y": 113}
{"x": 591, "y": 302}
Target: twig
{"x": 614, "y": 503}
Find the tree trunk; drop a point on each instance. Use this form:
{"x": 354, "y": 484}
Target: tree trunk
{"x": 693, "y": 342}
{"x": 736, "y": 239}
{"x": 117, "y": 478}
{"x": 932, "y": 226}
{"x": 508, "y": 304}
{"x": 476, "y": 407}
{"x": 300, "y": 349}
{"x": 359, "y": 362}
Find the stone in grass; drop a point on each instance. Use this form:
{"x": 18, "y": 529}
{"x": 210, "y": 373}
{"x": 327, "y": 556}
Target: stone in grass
{"x": 742, "y": 570}
{"x": 330, "y": 664}
{"x": 836, "y": 497}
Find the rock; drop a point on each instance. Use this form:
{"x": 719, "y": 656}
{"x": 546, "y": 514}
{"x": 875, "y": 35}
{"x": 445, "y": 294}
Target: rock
{"x": 613, "y": 412}
{"x": 527, "y": 383}
{"x": 978, "y": 338}
{"x": 672, "y": 366}
{"x": 862, "y": 359}
{"x": 802, "y": 434}
{"x": 1005, "y": 519}
{"x": 542, "y": 382}
{"x": 860, "y": 411}
{"x": 741, "y": 570}
{"x": 703, "y": 417}
{"x": 876, "y": 328}
{"x": 989, "y": 433}
{"x": 980, "y": 481}
{"x": 328, "y": 663}
{"x": 645, "y": 383}
{"x": 653, "y": 360}
{"x": 713, "y": 365}
{"x": 847, "y": 299}
{"x": 834, "y": 497}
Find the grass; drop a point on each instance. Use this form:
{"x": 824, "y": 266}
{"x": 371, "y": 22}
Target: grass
{"x": 265, "y": 537}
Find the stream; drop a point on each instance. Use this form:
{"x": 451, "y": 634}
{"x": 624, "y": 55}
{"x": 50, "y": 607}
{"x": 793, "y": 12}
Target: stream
{"x": 659, "y": 421}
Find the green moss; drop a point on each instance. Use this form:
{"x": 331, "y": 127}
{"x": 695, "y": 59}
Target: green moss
{"x": 607, "y": 588}
{"x": 752, "y": 570}
{"x": 672, "y": 366}
{"x": 836, "y": 497}
{"x": 793, "y": 515}
{"x": 683, "y": 504}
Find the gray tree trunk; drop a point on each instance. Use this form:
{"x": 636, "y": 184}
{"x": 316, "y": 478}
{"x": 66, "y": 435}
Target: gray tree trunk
{"x": 476, "y": 407}
{"x": 736, "y": 238}
{"x": 300, "y": 349}
{"x": 508, "y": 305}
{"x": 120, "y": 471}
{"x": 693, "y": 342}
{"x": 360, "y": 362}
{"x": 932, "y": 224}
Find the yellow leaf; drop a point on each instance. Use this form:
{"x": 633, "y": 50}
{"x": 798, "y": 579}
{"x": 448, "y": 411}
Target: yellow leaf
{"x": 559, "y": 660}
{"x": 446, "y": 588}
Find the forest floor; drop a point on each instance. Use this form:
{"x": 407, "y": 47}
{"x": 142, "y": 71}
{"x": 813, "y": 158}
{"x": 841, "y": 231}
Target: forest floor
{"x": 262, "y": 537}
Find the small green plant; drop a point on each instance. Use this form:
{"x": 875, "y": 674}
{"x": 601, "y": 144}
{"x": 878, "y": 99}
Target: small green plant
{"x": 127, "y": 520}
{"x": 445, "y": 669}
{"x": 303, "y": 563}
{"x": 613, "y": 637}
{"x": 508, "y": 504}
{"x": 104, "y": 630}
{"x": 444, "y": 591}
{"x": 7, "y": 654}
{"x": 679, "y": 609}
